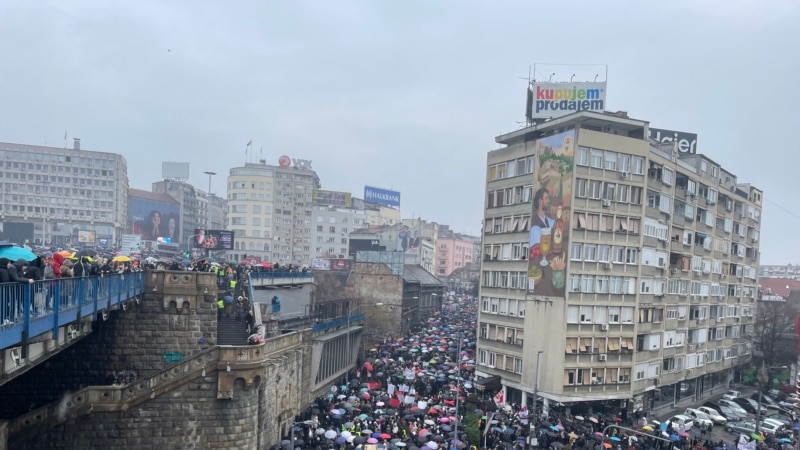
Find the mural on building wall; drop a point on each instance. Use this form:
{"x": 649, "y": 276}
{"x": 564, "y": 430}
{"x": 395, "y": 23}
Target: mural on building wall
{"x": 408, "y": 240}
{"x": 549, "y": 233}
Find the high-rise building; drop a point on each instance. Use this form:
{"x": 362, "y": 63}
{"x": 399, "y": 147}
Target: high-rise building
{"x": 615, "y": 269}
{"x": 193, "y": 204}
{"x": 270, "y": 210}
{"x": 63, "y": 196}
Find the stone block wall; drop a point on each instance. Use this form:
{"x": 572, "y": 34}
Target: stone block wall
{"x": 190, "y": 417}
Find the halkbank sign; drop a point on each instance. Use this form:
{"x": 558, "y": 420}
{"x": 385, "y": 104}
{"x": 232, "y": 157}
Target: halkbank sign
{"x": 551, "y": 100}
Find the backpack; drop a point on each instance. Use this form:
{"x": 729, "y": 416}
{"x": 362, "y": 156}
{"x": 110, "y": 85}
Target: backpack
{"x": 49, "y": 273}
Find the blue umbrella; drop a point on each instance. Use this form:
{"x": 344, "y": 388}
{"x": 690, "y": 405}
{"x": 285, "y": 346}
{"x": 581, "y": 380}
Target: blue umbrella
{"x": 14, "y": 253}
{"x": 674, "y": 437}
{"x": 614, "y": 438}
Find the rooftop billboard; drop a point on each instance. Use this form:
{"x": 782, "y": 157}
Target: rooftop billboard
{"x": 213, "y": 239}
{"x": 332, "y": 198}
{"x": 687, "y": 142}
{"x": 548, "y": 100}
{"x": 382, "y": 196}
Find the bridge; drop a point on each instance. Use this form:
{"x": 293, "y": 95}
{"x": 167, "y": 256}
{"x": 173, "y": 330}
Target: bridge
{"x": 151, "y": 329}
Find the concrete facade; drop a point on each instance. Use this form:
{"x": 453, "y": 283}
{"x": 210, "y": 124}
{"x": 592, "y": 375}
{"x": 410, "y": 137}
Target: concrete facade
{"x": 454, "y": 251}
{"x": 63, "y": 191}
{"x": 663, "y": 255}
{"x": 331, "y": 227}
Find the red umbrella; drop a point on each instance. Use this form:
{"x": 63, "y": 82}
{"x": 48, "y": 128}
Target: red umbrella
{"x": 433, "y": 411}
{"x": 365, "y": 396}
{"x": 385, "y": 436}
{"x": 368, "y": 366}
{"x": 394, "y": 403}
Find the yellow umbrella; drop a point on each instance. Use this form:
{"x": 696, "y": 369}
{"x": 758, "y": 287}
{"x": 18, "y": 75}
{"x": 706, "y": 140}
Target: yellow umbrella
{"x": 121, "y": 258}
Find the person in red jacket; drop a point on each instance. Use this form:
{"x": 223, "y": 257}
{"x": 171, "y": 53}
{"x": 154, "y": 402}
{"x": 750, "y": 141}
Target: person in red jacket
{"x": 55, "y": 262}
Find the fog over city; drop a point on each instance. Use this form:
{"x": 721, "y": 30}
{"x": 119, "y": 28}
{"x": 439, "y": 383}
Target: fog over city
{"x": 402, "y": 95}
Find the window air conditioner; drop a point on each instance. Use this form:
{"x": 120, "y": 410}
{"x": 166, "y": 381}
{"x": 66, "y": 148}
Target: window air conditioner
{"x": 602, "y": 357}
{"x": 623, "y": 174}
{"x": 604, "y": 327}
{"x": 606, "y": 203}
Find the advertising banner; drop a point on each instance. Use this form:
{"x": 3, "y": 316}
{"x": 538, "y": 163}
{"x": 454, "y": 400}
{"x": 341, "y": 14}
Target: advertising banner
{"x": 330, "y": 264}
{"x": 382, "y": 196}
{"x": 86, "y": 237}
{"x": 687, "y": 142}
{"x": 550, "y": 100}
{"x": 549, "y": 234}
{"x": 332, "y": 198}
{"x": 213, "y": 239}
{"x": 130, "y": 244}
{"x": 407, "y": 240}
{"x": 152, "y": 219}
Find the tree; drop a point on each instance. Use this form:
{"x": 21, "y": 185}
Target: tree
{"x": 774, "y": 335}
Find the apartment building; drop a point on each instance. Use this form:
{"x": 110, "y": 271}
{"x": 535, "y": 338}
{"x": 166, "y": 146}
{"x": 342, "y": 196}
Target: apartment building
{"x": 331, "y": 228}
{"x": 270, "y": 209}
{"x": 616, "y": 272}
{"x": 453, "y": 251}
{"x": 64, "y": 196}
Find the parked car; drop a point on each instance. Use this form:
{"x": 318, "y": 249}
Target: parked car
{"x": 770, "y": 427}
{"x": 788, "y": 405}
{"x": 680, "y": 419}
{"x": 730, "y": 395}
{"x": 699, "y": 417}
{"x": 733, "y": 415}
{"x": 750, "y": 405}
{"x": 733, "y": 405}
{"x": 714, "y": 415}
{"x": 782, "y": 418}
{"x": 741, "y": 427}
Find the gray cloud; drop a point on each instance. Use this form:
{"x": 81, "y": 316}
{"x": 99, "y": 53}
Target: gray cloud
{"x": 407, "y": 95}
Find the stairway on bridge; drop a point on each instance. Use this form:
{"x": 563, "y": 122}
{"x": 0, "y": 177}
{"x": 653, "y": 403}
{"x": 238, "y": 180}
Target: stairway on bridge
{"x": 231, "y": 331}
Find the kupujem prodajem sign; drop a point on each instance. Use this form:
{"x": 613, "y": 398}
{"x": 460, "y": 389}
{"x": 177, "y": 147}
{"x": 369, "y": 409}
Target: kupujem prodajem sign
{"x": 551, "y": 100}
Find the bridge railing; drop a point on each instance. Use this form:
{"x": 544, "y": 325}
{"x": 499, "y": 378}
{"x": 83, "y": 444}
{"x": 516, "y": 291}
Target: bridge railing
{"x": 30, "y": 309}
{"x": 338, "y": 322}
{"x": 266, "y": 277}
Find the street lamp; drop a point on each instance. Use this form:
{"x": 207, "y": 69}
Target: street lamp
{"x": 349, "y": 350}
{"x": 208, "y": 206}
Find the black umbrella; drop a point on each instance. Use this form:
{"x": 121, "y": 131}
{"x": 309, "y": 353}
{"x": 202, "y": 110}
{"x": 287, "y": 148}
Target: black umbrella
{"x": 86, "y": 252}
{"x": 556, "y": 444}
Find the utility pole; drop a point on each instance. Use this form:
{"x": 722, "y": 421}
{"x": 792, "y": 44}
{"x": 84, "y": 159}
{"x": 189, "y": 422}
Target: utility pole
{"x": 208, "y": 206}
{"x": 536, "y": 385}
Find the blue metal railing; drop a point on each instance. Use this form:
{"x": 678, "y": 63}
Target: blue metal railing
{"x": 28, "y": 310}
{"x": 274, "y": 275}
{"x": 338, "y": 322}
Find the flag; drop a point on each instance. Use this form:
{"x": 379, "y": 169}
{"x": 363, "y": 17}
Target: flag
{"x": 500, "y": 398}
{"x": 250, "y": 142}
{"x": 65, "y": 135}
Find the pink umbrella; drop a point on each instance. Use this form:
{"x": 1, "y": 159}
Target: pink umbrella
{"x": 372, "y": 441}
{"x": 444, "y": 419}
{"x": 423, "y": 432}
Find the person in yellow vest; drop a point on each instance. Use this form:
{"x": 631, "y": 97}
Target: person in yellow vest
{"x": 220, "y": 307}
{"x": 233, "y": 284}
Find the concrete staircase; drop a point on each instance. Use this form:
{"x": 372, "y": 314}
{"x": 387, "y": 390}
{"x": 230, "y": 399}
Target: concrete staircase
{"x": 230, "y": 331}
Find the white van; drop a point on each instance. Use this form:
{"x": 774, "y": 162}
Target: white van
{"x": 730, "y": 395}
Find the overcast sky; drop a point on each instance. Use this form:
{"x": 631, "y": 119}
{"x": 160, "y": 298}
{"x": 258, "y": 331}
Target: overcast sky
{"x": 407, "y": 95}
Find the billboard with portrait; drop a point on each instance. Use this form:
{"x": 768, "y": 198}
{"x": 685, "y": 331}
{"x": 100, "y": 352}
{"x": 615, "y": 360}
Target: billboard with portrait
{"x": 332, "y": 198}
{"x": 382, "y": 196}
{"x": 153, "y": 216}
{"x": 549, "y": 232}
{"x": 408, "y": 239}
{"x": 213, "y": 239}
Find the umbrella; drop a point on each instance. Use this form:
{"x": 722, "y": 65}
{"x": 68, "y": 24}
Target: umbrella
{"x": 340, "y": 440}
{"x": 14, "y": 253}
{"x": 330, "y": 434}
{"x": 358, "y": 440}
{"x": 86, "y": 252}
{"x": 756, "y": 437}
{"x": 385, "y": 436}
{"x": 556, "y": 444}
{"x": 432, "y": 445}
{"x": 372, "y": 441}
{"x": 674, "y": 437}
{"x": 615, "y": 439}
{"x": 606, "y": 445}
{"x": 647, "y": 427}
{"x": 786, "y": 440}
{"x": 593, "y": 419}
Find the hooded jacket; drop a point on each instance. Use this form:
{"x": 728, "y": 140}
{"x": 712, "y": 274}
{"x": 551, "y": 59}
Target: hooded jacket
{"x": 14, "y": 275}
{"x": 56, "y": 262}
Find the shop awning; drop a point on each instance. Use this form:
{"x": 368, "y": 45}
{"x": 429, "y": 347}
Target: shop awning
{"x": 489, "y": 383}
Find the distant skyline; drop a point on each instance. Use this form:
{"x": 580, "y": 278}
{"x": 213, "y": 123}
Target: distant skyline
{"x": 401, "y": 95}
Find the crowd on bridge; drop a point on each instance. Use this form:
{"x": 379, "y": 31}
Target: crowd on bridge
{"x": 419, "y": 392}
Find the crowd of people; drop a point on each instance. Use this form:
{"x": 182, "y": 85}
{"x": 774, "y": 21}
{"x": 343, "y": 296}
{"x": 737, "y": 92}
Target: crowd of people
{"x": 418, "y": 392}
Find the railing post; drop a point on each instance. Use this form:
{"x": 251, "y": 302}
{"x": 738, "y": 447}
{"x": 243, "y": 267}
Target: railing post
{"x": 26, "y": 317}
{"x": 56, "y": 306}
